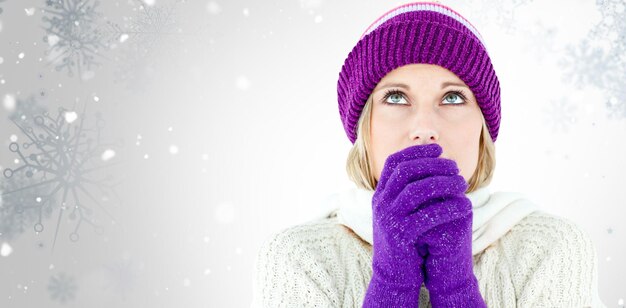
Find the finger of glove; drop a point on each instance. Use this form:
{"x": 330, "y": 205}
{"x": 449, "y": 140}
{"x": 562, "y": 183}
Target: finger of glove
{"x": 449, "y": 270}
{"x": 451, "y": 259}
{"x": 418, "y": 169}
{"x": 416, "y": 194}
{"x": 412, "y": 152}
{"x": 395, "y": 258}
{"x": 397, "y": 264}
{"x": 426, "y": 222}
{"x": 449, "y": 238}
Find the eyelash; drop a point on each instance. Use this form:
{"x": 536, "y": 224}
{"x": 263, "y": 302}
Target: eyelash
{"x": 390, "y": 92}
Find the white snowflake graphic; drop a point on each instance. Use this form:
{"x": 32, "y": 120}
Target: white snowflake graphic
{"x": 62, "y": 157}
{"x": 62, "y": 287}
{"x": 500, "y": 13}
{"x": 613, "y": 24}
{"x": 22, "y": 210}
{"x": 585, "y": 65}
{"x": 560, "y": 114}
{"x": 604, "y": 68}
{"x": 145, "y": 39}
{"x": 26, "y": 109}
{"x": 72, "y": 34}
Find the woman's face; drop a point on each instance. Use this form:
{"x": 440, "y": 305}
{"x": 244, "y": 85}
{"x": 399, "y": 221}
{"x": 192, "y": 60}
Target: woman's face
{"x": 424, "y": 103}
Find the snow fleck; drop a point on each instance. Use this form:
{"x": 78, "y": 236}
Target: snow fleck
{"x": 213, "y": 8}
{"x": 310, "y": 4}
{"x": 108, "y": 154}
{"x": 173, "y": 149}
{"x": 52, "y": 40}
{"x": 70, "y": 116}
{"x": 243, "y": 83}
{"x": 9, "y": 102}
{"x": 5, "y": 250}
{"x": 225, "y": 213}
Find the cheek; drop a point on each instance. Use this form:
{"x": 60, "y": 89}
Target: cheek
{"x": 384, "y": 139}
{"x": 468, "y": 141}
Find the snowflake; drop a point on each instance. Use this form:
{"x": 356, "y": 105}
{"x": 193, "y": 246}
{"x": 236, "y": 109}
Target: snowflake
{"x": 73, "y": 35}
{"x": 613, "y": 24}
{"x": 1, "y": 10}
{"x": 500, "y": 13}
{"x": 586, "y": 65}
{"x": 26, "y": 109}
{"x": 20, "y": 210}
{"x": 560, "y": 114}
{"x": 152, "y": 35}
{"x": 612, "y": 29}
{"x": 121, "y": 277}
{"x": 61, "y": 157}
{"x": 540, "y": 45}
{"x": 615, "y": 104}
{"x": 62, "y": 287}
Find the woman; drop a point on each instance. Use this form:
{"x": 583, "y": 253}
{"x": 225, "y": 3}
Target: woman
{"x": 420, "y": 101}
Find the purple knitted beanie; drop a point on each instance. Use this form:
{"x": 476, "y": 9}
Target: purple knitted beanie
{"x": 418, "y": 32}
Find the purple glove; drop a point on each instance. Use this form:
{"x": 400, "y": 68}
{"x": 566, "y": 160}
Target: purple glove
{"x": 407, "y": 203}
{"x": 449, "y": 276}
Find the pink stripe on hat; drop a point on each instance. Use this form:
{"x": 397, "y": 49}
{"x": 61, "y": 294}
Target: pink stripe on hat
{"x": 423, "y": 6}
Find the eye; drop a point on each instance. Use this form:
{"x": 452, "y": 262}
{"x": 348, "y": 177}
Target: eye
{"x": 393, "y": 97}
{"x": 455, "y": 95}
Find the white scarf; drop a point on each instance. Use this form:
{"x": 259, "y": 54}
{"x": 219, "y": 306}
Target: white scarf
{"x": 494, "y": 214}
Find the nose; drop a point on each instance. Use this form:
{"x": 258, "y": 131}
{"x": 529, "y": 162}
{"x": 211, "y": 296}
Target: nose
{"x": 424, "y": 132}
{"x": 424, "y": 136}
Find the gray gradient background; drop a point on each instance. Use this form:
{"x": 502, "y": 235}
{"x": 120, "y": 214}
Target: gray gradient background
{"x": 246, "y": 93}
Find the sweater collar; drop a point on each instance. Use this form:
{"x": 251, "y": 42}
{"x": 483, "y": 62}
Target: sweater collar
{"x": 493, "y": 213}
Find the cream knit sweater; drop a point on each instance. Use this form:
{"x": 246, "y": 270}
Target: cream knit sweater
{"x": 543, "y": 261}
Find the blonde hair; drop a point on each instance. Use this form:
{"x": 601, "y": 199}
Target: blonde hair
{"x": 359, "y": 163}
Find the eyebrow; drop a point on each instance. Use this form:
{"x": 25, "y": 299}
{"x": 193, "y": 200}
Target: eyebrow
{"x": 402, "y": 85}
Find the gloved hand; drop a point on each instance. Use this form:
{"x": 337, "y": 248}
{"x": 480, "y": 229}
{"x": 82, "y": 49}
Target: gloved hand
{"x": 449, "y": 278}
{"x": 406, "y": 204}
